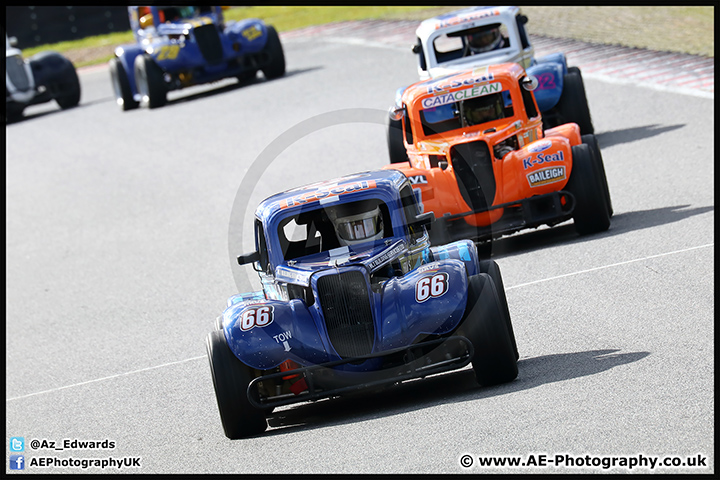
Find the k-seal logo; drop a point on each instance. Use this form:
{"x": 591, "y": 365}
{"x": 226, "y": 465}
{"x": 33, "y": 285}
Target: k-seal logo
{"x": 546, "y": 175}
{"x": 543, "y": 158}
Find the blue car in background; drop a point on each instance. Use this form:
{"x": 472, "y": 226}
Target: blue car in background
{"x": 180, "y": 46}
{"x": 353, "y": 296}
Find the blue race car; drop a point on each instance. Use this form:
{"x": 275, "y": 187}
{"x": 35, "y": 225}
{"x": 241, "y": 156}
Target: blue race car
{"x": 353, "y": 296}
{"x": 177, "y": 47}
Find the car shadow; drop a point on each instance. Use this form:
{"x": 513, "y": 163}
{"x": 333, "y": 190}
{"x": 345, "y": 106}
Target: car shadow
{"x": 258, "y": 80}
{"x": 629, "y": 135}
{"x": 526, "y": 241}
{"x": 453, "y": 387}
{"x": 46, "y": 110}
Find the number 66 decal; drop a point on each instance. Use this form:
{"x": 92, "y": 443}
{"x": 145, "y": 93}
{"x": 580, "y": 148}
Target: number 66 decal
{"x": 256, "y": 317}
{"x": 432, "y": 286}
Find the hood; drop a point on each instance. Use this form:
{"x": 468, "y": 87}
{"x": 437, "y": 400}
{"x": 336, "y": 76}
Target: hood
{"x": 372, "y": 257}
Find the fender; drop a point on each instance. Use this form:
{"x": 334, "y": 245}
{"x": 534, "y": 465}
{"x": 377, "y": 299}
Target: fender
{"x": 550, "y": 83}
{"x": 265, "y": 333}
{"x": 558, "y": 57}
{"x": 463, "y": 250}
{"x": 570, "y": 131}
{"x": 436, "y": 190}
{"x": 127, "y": 55}
{"x": 542, "y": 166}
{"x": 46, "y": 66}
{"x": 250, "y": 33}
{"x": 429, "y": 300}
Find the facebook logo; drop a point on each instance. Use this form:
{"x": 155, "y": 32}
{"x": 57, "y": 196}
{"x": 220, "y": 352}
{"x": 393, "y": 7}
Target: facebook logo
{"x": 17, "y": 444}
{"x": 17, "y": 462}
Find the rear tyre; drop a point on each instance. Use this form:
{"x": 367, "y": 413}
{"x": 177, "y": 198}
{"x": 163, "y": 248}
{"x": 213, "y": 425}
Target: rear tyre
{"x": 491, "y": 268}
{"x": 13, "y": 112}
{"x": 591, "y": 141}
{"x": 230, "y": 379}
{"x": 121, "y": 86}
{"x": 573, "y": 104}
{"x": 591, "y": 211}
{"x": 493, "y": 360}
{"x": 150, "y": 82}
{"x": 396, "y": 145}
{"x": 247, "y": 77}
{"x": 273, "y": 47}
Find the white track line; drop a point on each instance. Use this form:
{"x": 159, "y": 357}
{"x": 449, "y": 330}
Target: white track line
{"x": 106, "y": 378}
{"x": 506, "y": 288}
{"x": 608, "y": 266}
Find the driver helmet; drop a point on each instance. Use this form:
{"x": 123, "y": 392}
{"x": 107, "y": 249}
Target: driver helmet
{"x": 481, "y": 111}
{"x": 358, "y": 225}
{"x": 485, "y": 40}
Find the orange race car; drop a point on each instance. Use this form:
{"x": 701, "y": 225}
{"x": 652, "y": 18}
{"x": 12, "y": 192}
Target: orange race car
{"x": 480, "y": 160}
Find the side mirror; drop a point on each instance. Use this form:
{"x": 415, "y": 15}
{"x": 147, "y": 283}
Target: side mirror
{"x": 422, "y": 219}
{"x": 13, "y": 42}
{"x": 523, "y": 19}
{"x": 443, "y": 165}
{"x": 416, "y": 48}
{"x": 248, "y": 258}
{"x": 529, "y": 82}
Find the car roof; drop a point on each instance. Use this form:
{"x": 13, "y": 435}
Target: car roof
{"x": 317, "y": 193}
{"x": 475, "y": 15}
{"x": 505, "y": 73}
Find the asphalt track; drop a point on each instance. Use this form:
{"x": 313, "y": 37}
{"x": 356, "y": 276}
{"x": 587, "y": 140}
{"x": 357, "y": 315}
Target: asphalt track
{"x": 118, "y": 262}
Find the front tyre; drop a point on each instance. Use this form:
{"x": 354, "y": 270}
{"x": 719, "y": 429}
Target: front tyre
{"x": 494, "y": 360}
{"x": 273, "y": 47}
{"x": 230, "y": 379}
{"x": 591, "y": 210}
{"x": 491, "y": 268}
{"x": 150, "y": 82}
{"x": 121, "y": 85}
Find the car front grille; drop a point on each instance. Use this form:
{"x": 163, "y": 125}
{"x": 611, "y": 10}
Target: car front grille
{"x": 473, "y": 167}
{"x": 345, "y": 302}
{"x": 16, "y": 72}
{"x": 208, "y": 40}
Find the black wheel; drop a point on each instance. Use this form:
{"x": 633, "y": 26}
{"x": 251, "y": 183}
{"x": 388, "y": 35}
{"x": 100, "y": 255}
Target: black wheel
{"x": 150, "y": 82}
{"x": 13, "y": 111}
{"x": 573, "y": 104}
{"x": 484, "y": 249}
{"x": 121, "y": 85}
{"x": 273, "y": 47}
{"x": 230, "y": 379}
{"x": 246, "y": 77}
{"x": 491, "y": 268}
{"x": 591, "y": 140}
{"x": 494, "y": 360}
{"x": 68, "y": 87}
{"x": 396, "y": 145}
{"x": 591, "y": 210}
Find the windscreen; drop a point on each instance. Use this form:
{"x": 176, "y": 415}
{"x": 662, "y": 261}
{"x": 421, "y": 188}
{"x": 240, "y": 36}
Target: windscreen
{"x": 442, "y": 114}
